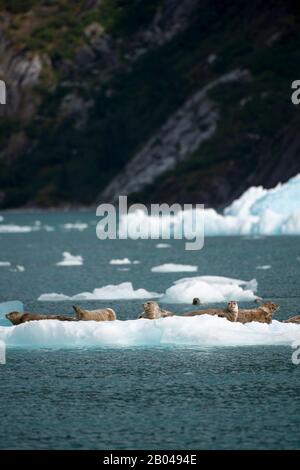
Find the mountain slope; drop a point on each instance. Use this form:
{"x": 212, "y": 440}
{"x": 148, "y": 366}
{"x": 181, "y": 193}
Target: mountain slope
{"x": 113, "y": 97}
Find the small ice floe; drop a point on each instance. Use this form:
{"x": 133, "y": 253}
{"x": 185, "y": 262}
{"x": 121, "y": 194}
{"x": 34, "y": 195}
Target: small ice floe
{"x": 210, "y": 289}
{"x": 48, "y": 228}
{"x": 163, "y": 245}
{"x": 75, "y": 226}
{"x": 123, "y": 269}
{"x": 203, "y": 331}
{"x": 70, "y": 260}
{"x": 13, "y": 228}
{"x": 264, "y": 267}
{"x": 124, "y": 291}
{"x": 174, "y": 268}
{"x": 5, "y": 263}
{"x": 18, "y": 269}
{"x": 123, "y": 261}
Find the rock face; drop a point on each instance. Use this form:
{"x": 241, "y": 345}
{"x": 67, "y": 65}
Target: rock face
{"x": 182, "y": 134}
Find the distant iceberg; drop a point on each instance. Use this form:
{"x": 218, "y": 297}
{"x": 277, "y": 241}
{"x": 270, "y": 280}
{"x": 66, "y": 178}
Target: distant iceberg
{"x": 205, "y": 331}
{"x": 174, "y": 268}
{"x": 70, "y": 260}
{"x": 123, "y": 261}
{"x": 124, "y": 290}
{"x": 210, "y": 289}
{"x": 257, "y": 212}
{"x": 75, "y": 226}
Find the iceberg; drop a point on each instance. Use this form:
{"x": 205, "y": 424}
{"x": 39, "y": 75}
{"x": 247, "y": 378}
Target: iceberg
{"x": 174, "y": 268}
{"x": 75, "y": 226}
{"x": 163, "y": 245}
{"x": 124, "y": 291}
{"x": 70, "y": 260}
{"x": 258, "y": 212}
{"x": 120, "y": 261}
{"x": 5, "y": 263}
{"x": 205, "y": 331}
{"x": 123, "y": 261}
{"x": 264, "y": 267}
{"x": 13, "y": 228}
{"x": 210, "y": 289}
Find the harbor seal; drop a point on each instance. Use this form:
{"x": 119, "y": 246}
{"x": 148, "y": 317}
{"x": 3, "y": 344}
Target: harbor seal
{"x": 230, "y": 312}
{"x": 262, "y": 314}
{"x": 16, "y": 318}
{"x": 196, "y": 301}
{"x": 104, "y": 314}
{"x": 153, "y": 311}
{"x": 295, "y": 319}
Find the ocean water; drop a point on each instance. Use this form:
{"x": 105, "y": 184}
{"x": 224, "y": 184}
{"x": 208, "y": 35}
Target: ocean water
{"x": 173, "y": 396}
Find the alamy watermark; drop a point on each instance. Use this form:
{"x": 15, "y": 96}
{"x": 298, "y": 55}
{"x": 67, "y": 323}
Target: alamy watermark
{"x": 2, "y": 352}
{"x": 2, "y": 92}
{"x": 295, "y": 97}
{"x": 161, "y": 221}
{"x": 296, "y": 353}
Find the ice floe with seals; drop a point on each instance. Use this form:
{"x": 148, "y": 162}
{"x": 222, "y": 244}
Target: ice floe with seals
{"x": 204, "y": 332}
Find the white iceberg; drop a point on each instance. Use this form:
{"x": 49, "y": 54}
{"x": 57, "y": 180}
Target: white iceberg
{"x": 174, "y": 268}
{"x": 264, "y": 267}
{"x": 163, "y": 245}
{"x": 70, "y": 260}
{"x": 257, "y": 212}
{"x": 124, "y": 291}
{"x": 18, "y": 268}
{"x": 123, "y": 261}
{"x": 13, "y": 228}
{"x": 75, "y": 226}
{"x": 210, "y": 289}
{"x": 5, "y": 263}
{"x": 205, "y": 331}
{"x": 120, "y": 261}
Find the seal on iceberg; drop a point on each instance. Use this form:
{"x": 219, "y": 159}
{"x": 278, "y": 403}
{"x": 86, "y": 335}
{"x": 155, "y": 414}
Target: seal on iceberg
{"x": 295, "y": 319}
{"x": 152, "y": 311}
{"x": 262, "y": 314}
{"x": 104, "y": 314}
{"x": 196, "y": 301}
{"x": 230, "y": 312}
{"x": 16, "y": 318}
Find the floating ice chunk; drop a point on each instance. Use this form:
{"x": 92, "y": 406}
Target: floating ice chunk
{"x": 204, "y": 331}
{"x": 123, "y": 269}
{"x": 123, "y": 261}
{"x": 75, "y": 226}
{"x": 163, "y": 245}
{"x": 124, "y": 290}
{"x": 13, "y": 228}
{"x": 1, "y": 218}
{"x": 257, "y": 212}
{"x": 120, "y": 261}
{"x": 18, "y": 268}
{"x": 5, "y": 263}
{"x": 264, "y": 267}
{"x": 70, "y": 260}
{"x": 210, "y": 289}
{"x": 48, "y": 228}
{"x": 174, "y": 268}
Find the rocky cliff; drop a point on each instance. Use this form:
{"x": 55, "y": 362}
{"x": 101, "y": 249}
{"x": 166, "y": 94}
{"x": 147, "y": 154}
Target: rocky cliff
{"x": 169, "y": 100}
